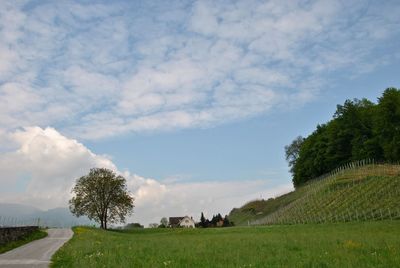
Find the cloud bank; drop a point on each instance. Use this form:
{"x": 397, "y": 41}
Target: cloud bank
{"x": 41, "y": 165}
{"x": 96, "y": 70}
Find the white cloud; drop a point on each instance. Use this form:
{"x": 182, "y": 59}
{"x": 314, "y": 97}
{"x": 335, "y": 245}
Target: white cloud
{"x": 98, "y": 70}
{"x": 191, "y": 199}
{"x": 11, "y": 20}
{"x": 47, "y": 164}
{"x": 42, "y": 166}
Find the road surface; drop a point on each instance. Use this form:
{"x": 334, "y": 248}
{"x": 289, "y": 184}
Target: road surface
{"x": 37, "y": 253}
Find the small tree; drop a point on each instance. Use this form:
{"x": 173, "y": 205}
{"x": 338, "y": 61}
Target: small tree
{"x": 153, "y": 225}
{"x": 292, "y": 152}
{"x": 102, "y": 196}
{"x": 227, "y": 223}
{"x": 202, "y": 221}
{"x": 163, "y": 222}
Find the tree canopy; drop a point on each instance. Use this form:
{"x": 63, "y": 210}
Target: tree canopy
{"x": 216, "y": 221}
{"x": 102, "y": 196}
{"x": 163, "y": 222}
{"x": 359, "y": 129}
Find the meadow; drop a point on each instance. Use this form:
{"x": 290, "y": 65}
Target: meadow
{"x": 354, "y": 244}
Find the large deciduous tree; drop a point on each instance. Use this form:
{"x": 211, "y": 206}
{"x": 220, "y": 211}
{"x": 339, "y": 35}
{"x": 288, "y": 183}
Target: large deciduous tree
{"x": 102, "y": 196}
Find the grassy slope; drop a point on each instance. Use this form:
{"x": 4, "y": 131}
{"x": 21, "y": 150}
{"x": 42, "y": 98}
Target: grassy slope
{"x": 31, "y": 237}
{"x": 366, "y": 193}
{"x": 361, "y": 244}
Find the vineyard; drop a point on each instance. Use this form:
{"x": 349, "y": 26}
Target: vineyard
{"x": 359, "y": 191}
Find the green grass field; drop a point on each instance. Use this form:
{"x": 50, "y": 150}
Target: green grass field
{"x": 362, "y": 244}
{"x": 24, "y": 240}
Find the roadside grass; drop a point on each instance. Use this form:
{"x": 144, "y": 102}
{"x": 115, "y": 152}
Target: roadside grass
{"x": 24, "y": 240}
{"x": 355, "y": 244}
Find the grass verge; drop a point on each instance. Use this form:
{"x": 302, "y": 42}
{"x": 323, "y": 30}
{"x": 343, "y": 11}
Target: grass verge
{"x": 24, "y": 240}
{"x": 356, "y": 244}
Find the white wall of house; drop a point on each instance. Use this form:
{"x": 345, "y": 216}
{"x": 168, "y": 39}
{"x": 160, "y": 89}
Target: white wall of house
{"x": 187, "y": 222}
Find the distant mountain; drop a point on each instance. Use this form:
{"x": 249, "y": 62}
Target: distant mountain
{"x": 61, "y": 217}
{"x": 16, "y": 214}
{"x": 17, "y": 210}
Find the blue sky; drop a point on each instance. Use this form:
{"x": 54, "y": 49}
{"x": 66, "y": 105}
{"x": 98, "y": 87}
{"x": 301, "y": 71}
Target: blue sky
{"x": 193, "y": 101}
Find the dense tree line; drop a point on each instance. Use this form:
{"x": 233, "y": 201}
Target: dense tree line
{"x": 133, "y": 225}
{"x": 360, "y": 129}
{"x": 216, "y": 221}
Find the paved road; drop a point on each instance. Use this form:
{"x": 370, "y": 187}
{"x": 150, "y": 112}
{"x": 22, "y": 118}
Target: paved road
{"x": 37, "y": 253}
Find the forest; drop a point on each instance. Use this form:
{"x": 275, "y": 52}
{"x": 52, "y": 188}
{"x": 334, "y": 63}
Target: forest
{"x": 359, "y": 129}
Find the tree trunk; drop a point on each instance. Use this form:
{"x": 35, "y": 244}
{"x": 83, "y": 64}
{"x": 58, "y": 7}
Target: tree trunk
{"x": 105, "y": 221}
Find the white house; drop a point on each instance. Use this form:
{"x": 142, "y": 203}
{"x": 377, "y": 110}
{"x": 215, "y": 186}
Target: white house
{"x": 185, "y": 222}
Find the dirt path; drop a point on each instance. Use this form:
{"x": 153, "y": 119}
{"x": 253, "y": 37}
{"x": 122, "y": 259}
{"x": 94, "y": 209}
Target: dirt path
{"x": 37, "y": 253}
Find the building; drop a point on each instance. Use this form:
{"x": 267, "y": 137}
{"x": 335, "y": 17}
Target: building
{"x": 185, "y": 222}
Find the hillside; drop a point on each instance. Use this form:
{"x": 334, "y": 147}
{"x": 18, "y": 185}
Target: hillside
{"x": 356, "y": 192}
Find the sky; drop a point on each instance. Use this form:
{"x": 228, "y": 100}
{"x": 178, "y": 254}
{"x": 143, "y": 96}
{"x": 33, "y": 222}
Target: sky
{"x": 191, "y": 101}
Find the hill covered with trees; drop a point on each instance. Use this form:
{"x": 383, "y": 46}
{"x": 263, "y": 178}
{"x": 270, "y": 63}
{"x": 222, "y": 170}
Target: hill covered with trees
{"x": 360, "y": 129}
